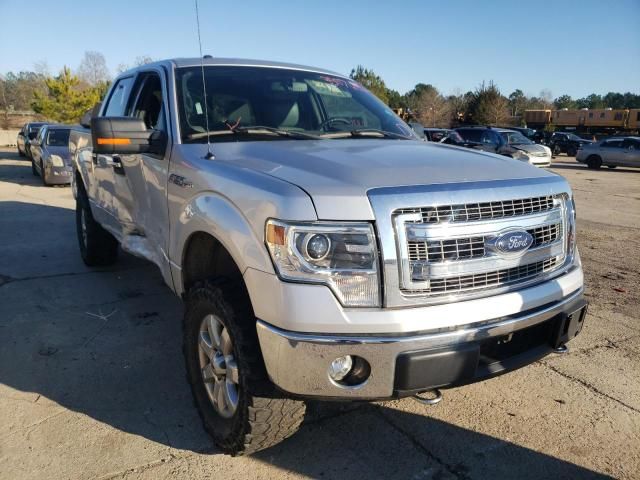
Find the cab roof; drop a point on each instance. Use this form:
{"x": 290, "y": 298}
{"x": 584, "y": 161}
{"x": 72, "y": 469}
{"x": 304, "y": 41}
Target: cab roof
{"x": 208, "y": 60}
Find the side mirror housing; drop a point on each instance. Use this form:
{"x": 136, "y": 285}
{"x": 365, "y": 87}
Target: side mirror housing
{"x": 126, "y": 136}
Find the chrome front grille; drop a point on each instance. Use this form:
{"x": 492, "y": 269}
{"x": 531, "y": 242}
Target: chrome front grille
{"x": 493, "y": 279}
{"x": 469, "y": 212}
{"x": 452, "y": 250}
{"x": 471, "y": 247}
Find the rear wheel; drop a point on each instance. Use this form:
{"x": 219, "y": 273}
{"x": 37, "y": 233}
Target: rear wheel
{"x": 571, "y": 152}
{"x": 97, "y": 246}
{"x": 611, "y": 166}
{"x": 226, "y": 373}
{"x": 594, "y": 162}
{"x": 556, "y": 150}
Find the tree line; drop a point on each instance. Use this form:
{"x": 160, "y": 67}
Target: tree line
{"x": 484, "y": 105}
{"x": 63, "y": 97}
{"x": 66, "y": 96}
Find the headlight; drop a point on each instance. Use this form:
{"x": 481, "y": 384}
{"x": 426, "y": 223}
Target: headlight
{"x": 56, "y": 161}
{"x": 547, "y": 150}
{"x": 520, "y": 155}
{"x": 341, "y": 256}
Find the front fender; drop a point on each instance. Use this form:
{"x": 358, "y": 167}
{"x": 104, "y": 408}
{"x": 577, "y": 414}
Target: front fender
{"x": 215, "y": 215}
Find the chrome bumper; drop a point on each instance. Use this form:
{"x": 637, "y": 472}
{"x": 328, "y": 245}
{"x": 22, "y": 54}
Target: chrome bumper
{"x": 298, "y": 363}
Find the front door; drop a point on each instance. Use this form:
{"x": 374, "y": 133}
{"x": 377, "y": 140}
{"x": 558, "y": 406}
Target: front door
{"x": 146, "y": 174}
{"x": 111, "y": 206}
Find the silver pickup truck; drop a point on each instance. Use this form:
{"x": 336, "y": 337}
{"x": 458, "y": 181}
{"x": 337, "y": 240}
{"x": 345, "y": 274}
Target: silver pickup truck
{"x": 321, "y": 249}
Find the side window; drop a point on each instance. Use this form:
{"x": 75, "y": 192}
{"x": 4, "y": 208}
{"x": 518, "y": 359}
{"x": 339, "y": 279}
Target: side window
{"x": 149, "y": 105}
{"x": 471, "y": 135}
{"x": 630, "y": 144}
{"x": 118, "y": 98}
{"x": 41, "y": 134}
{"x": 490, "y": 138}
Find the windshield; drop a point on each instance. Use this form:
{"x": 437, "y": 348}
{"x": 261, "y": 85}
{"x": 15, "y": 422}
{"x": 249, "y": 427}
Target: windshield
{"x": 305, "y": 105}
{"x": 515, "y": 138}
{"x": 58, "y": 137}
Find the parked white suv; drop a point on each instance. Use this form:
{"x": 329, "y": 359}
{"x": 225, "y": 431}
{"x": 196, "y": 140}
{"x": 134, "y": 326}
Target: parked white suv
{"x": 321, "y": 249}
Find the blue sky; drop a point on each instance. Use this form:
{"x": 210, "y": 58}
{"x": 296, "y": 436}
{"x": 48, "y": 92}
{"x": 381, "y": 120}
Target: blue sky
{"x": 573, "y": 47}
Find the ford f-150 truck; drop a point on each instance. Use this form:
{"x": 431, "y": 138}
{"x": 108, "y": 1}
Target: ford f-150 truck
{"x": 321, "y": 249}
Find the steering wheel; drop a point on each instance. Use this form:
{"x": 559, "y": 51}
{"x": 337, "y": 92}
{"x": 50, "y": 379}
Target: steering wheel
{"x": 329, "y": 121}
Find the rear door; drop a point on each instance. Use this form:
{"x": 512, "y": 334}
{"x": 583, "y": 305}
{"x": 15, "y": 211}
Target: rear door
{"x": 611, "y": 152}
{"x": 630, "y": 153}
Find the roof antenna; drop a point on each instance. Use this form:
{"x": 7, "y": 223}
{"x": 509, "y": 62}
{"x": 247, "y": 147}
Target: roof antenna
{"x": 209, "y": 155}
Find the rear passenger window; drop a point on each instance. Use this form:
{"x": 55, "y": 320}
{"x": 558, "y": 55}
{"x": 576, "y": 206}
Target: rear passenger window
{"x": 118, "y": 98}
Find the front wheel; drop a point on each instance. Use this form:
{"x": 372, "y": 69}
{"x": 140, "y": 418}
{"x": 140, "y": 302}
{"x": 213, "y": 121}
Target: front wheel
{"x": 225, "y": 370}
{"x": 97, "y": 246}
{"x": 594, "y": 162}
{"x": 33, "y": 169}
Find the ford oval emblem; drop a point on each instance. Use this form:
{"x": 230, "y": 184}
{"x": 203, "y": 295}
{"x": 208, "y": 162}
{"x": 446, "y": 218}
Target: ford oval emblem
{"x": 513, "y": 242}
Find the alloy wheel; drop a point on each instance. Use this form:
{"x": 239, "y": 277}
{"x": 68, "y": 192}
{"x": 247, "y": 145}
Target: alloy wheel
{"x": 218, "y": 366}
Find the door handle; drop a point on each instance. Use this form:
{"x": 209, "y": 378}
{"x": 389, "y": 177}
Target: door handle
{"x": 115, "y": 163}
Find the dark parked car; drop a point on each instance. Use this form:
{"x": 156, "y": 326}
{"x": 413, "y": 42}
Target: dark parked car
{"x": 50, "y": 155}
{"x": 505, "y": 142}
{"x": 569, "y": 143}
{"x": 436, "y": 134}
{"x": 527, "y": 132}
{"x": 28, "y": 132}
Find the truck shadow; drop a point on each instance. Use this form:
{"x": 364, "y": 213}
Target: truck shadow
{"x": 107, "y": 345}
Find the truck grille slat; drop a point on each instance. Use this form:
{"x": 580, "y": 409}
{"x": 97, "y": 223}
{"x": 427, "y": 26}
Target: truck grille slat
{"x": 472, "y": 247}
{"x": 470, "y": 212}
{"x": 494, "y": 279}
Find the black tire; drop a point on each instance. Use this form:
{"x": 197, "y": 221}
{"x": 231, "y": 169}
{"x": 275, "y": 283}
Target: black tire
{"x": 571, "y": 152}
{"x": 611, "y": 166}
{"x": 33, "y": 169}
{"x": 556, "y": 150}
{"x": 262, "y": 417}
{"x": 99, "y": 247}
{"x": 594, "y": 162}
{"x": 20, "y": 153}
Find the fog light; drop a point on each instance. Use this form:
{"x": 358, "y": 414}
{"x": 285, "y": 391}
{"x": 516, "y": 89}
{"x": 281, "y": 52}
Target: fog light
{"x": 340, "y": 368}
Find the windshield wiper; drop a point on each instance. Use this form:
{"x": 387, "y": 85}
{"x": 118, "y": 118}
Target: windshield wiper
{"x": 256, "y": 130}
{"x": 366, "y": 132}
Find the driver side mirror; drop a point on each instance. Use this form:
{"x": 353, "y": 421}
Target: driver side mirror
{"x": 126, "y": 136}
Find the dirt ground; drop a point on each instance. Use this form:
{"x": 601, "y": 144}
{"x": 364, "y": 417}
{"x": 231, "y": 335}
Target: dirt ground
{"x": 92, "y": 382}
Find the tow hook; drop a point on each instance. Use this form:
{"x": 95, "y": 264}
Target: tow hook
{"x": 561, "y": 349}
{"x": 436, "y": 397}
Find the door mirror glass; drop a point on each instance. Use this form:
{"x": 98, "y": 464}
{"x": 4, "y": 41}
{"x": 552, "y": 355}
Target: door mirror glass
{"x": 125, "y": 135}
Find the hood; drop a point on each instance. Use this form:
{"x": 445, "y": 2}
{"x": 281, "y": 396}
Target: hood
{"x": 60, "y": 151}
{"x": 533, "y": 148}
{"x": 338, "y": 173}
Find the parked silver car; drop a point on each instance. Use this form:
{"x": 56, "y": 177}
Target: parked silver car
{"x": 50, "y": 155}
{"x": 623, "y": 151}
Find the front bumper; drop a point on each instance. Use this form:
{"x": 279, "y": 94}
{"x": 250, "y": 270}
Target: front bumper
{"x": 58, "y": 175}
{"x": 405, "y": 364}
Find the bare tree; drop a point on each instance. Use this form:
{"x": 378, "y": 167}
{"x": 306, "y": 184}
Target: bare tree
{"x": 93, "y": 68}
{"x": 432, "y": 108}
{"x": 140, "y": 60}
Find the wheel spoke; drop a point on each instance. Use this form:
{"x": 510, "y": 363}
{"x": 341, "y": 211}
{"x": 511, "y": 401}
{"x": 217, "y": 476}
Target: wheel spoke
{"x": 232, "y": 369}
{"x": 231, "y": 395}
{"x": 208, "y": 374}
{"x": 225, "y": 343}
{"x": 205, "y": 344}
{"x": 214, "y": 328}
{"x": 221, "y": 395}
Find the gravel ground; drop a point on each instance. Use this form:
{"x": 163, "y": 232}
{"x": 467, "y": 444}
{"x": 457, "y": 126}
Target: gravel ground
{"x": 92, "y": 382}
